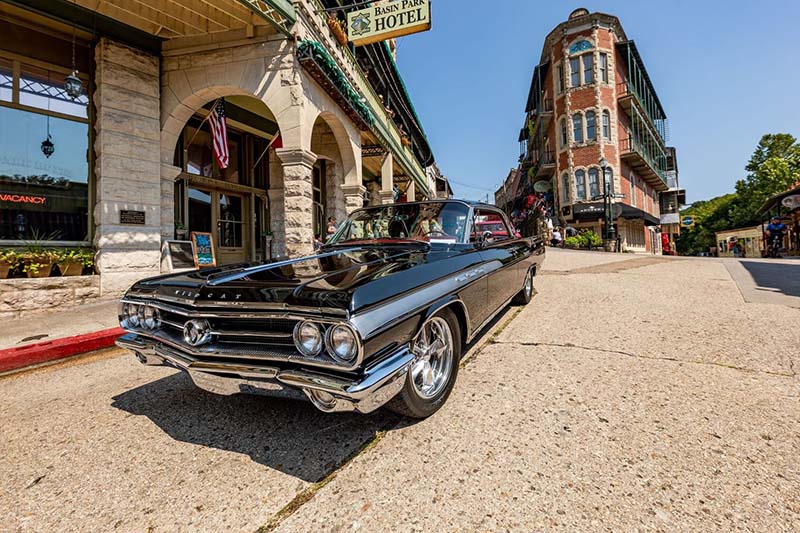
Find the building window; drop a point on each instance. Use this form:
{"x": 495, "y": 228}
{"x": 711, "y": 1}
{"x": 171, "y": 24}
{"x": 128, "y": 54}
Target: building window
{"x": 564, "y": 138}
{"x": 42, "y": 197}
{"x": 603, "y": 67}
{"x": 633, "y": 189}
{"x": 580, "y": 185}
{"x": 577, "y": 128}
{"x": 560, "y": 78}
{"x": 606, "y": 125}
{"x": 588, "y": 69}
{"x": 594, "y": 183}
{"x": 590, "y": 126}
{"x": 565, "y": 188}
{"x": 574, "y": 72}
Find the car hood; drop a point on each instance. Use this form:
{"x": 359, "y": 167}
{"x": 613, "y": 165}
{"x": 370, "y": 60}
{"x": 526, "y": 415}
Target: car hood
{"x": 340, "y": 278}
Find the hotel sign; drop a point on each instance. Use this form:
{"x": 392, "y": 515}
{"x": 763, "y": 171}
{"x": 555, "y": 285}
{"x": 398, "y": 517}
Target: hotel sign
{"x": 386, "y": 20}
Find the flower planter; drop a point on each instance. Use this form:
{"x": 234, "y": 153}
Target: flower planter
{"x": 5, "y": 268}
{"x": 70, "y": 268}
{"x": 42, "y": 268}
{"x": 337, "y": 30}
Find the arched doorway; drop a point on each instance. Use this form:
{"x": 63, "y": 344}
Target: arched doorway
{"x": 228, "y": 201}
{"x": 327, "y": 175}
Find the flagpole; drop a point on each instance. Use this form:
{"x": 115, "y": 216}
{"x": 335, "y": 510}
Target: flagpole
{"x": 271, "y": 142}
{"x": 197, "y": 130}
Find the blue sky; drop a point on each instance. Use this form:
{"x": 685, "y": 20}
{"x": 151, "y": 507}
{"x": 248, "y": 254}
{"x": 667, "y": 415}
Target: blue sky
{"x": 726, "y": 73}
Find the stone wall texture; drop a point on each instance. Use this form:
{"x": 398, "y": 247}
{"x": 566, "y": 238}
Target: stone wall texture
{"x": 127, "y": 168}
{"x": 21, "y": 297}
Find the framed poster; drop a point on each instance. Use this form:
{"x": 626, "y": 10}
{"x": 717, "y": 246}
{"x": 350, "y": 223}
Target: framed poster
{"x": 203, "y": 250}
{"x": 177, "y": 256}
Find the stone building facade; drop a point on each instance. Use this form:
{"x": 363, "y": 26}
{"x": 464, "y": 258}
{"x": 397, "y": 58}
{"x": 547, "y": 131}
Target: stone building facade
{"x": 593, "y": 118}
{"x": 312, "y": 125}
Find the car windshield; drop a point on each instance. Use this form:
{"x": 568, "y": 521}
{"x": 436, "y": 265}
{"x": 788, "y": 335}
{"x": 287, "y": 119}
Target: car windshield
{"x": 433, "y": 222}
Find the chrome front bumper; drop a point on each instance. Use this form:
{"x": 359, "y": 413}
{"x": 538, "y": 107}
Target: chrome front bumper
{"x": 380, "y": 382}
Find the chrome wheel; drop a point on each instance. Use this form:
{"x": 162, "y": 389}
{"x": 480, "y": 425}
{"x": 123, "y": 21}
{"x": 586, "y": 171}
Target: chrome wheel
{"x": 528, "y": 285}
{"x": 433, "y": 347}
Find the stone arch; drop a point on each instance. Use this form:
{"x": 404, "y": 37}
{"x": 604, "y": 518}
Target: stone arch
{"x": 331, "y": 143}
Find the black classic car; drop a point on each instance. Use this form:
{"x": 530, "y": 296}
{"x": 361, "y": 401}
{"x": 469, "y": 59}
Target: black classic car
{"x": 379, "y": 315}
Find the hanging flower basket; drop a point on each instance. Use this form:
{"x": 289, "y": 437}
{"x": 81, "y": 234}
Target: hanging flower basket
{"x": 405, "y": 140}
{"x": 338, "y": 31}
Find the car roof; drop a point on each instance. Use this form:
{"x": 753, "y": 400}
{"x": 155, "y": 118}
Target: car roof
{"x": 470, "y": 203}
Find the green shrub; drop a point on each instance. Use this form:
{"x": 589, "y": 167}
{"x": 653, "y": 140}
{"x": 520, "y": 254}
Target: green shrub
{"x": 573, "y": 242}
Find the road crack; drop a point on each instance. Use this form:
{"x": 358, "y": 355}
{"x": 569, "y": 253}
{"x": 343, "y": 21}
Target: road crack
{"x": 791, "y": 374}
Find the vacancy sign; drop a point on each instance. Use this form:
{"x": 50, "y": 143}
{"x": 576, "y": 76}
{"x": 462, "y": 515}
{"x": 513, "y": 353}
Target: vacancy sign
{"x": 386, "y": 20}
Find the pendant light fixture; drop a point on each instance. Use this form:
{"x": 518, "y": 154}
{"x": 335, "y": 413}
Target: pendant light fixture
{"x": 72, "y": 83}
{"x": 47, "y": 145}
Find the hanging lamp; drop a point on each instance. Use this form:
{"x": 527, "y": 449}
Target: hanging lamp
{"x": 47, "y": 145}
{"x": 72, "y": 83}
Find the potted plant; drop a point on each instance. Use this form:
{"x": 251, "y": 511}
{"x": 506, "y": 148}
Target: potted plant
{"x": 9, "y": 259}
{"x": 337, "y": 30}
{"x": 72, "y": 261}
{"x": 38, "y": 259}
{"x": 180, "y": 231}
{"x": 38, "y": 264}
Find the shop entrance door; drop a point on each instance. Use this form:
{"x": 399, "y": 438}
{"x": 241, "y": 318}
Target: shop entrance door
{"x": 221, "y": 214}
{"x": 230, "y": 228}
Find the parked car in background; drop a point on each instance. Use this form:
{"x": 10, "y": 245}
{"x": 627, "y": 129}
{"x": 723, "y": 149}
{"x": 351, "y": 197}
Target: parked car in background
{"x": 378, "y": 316}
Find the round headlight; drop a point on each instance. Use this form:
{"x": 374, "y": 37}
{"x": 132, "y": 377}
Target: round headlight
{"x": 152, "y": 317}
{"x": 342, "y": 344}
{"x": 130, "y": 313}
{"x": 308, "y": 338}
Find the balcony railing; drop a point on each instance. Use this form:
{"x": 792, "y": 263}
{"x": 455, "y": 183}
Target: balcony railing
{"x": 383, "y": 127}
{"x": 648, "y": 163}
{"x": 626, "y": 89}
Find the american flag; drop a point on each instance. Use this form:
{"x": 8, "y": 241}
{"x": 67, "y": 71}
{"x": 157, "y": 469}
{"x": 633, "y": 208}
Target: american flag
{"x": 219, "y": 134}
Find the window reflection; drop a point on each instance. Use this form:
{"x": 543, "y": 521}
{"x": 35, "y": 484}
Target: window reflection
{"x": 42, "y": 196}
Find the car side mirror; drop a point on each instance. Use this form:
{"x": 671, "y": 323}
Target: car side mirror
{"x": 486, "y": 238}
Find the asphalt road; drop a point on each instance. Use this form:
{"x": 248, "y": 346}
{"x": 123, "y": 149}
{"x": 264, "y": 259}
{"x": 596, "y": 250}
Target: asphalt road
{"x": 639, "y": 393}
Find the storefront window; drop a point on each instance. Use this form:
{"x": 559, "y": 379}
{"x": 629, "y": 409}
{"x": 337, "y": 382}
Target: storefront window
{"x": 40, "y": 196}
{"x": 44, "y": 89}
{"x": 199, "y": 210}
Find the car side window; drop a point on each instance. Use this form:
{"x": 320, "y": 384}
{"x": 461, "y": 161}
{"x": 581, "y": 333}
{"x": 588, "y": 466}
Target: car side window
{"x": 491, "y": 221}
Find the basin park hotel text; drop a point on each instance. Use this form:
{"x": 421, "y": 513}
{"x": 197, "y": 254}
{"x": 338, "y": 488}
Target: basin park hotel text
{"x": 316, "y": 128}
{"x": 591, "y": 98}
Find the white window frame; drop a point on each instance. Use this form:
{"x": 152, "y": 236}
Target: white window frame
{"x": 602, "y": 64}
{"x": 593, "y": 136}
{"x": 579, "y": 129}
{"x": 606, "y": 124}
{"x": 580, "y": 184}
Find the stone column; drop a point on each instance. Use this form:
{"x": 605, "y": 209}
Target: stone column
{"x": 128, "y": 174}
{"x": 298, "y": 200}
{"x": 411, "y": 191}
{"x": 353, "y": 197}
{"x": 387, "y": 179}
{"x": 168, "y": 175}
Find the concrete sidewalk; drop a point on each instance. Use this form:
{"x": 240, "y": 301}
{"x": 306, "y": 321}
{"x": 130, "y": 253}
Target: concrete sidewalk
{"x": 56, "y": 324}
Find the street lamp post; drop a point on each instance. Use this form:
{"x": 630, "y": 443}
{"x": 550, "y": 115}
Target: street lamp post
{"x": 608, "y": 195}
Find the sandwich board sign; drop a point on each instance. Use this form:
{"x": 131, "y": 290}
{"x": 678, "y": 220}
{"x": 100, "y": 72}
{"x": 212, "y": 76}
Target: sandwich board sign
{"x": 203, "y": 250}
{"x": 385, "y": 20}
{"x": 178, "y": 256}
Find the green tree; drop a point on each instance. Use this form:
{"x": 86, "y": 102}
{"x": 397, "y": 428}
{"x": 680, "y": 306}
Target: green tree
{"x": 773, "y": 168}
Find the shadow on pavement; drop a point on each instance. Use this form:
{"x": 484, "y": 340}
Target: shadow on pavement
{"x": 288, "y": 435}
{"x": 781, "y": 277}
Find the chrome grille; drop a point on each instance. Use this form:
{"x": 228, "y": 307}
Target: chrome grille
{"x": 237, "y": 334}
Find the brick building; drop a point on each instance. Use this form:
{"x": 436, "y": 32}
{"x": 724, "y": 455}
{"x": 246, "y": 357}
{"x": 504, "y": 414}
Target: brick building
{"x": 593, "y": 117}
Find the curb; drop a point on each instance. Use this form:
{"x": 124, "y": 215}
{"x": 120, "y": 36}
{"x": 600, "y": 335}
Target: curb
{"x": 42, "y": 352}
